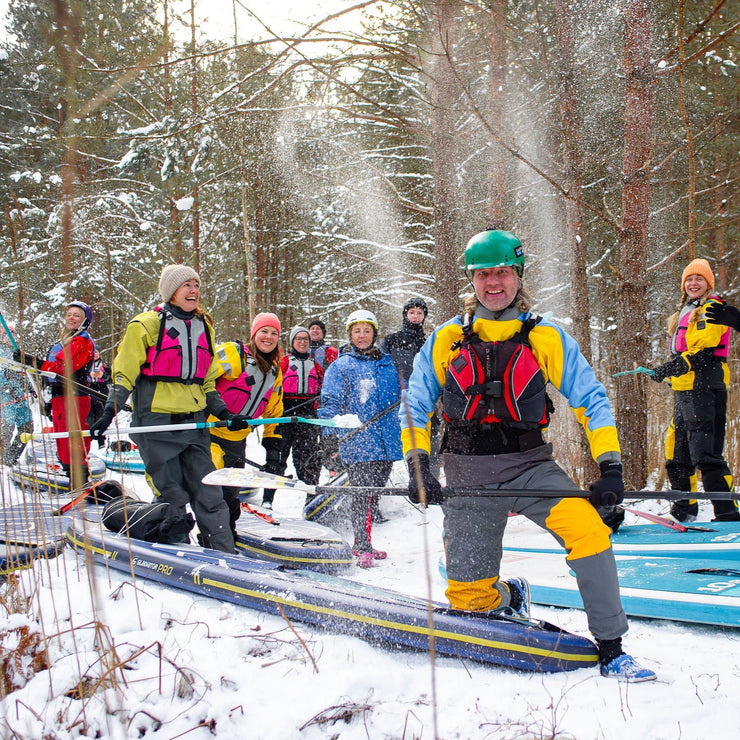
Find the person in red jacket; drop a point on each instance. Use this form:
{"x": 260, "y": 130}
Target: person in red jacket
{"x": 70, "y": 358}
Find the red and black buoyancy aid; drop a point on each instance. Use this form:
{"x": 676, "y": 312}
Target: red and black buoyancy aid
{"x": 497, "y": 383}
{"x": 183, "y": 351}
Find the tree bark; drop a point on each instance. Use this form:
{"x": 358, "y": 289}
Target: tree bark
{"x": 570, "y": 133}
{"x": 632, "y": 329}
{"x": 443, "y": 85}
{"x": 495, "y": 215}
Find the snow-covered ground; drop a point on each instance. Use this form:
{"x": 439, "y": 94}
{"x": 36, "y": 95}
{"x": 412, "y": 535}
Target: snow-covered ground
{"x": 181, "y": 666}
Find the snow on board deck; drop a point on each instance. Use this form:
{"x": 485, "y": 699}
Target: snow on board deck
{"x": 293, "y": 542}
{"x": 28, "y": 532}
{"x": 642, "y": 539}
{"x": 391, "y": 619}
{"x": 39, "y": 469}
{"x": 700, "y": 591}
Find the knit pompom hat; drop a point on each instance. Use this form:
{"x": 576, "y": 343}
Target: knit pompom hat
{"x": 295, "y": 331}
{"x": 172, "y": 277}
{"x": 698, "y": 267}
{"x": 264, "y": 319}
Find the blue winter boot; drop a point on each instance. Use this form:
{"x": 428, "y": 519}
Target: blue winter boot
{"x": 625, "y": 668}
{"x": 519, "y": 595}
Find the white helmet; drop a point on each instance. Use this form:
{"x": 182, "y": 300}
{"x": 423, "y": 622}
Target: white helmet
{"x": 361, "y": 315}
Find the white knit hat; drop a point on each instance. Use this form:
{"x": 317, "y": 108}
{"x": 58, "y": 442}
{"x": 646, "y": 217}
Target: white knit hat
{"x": 172, "y": 277}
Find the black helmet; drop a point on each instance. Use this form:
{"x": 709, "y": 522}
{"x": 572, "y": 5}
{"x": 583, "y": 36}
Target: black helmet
{"x": 415, "y": 303}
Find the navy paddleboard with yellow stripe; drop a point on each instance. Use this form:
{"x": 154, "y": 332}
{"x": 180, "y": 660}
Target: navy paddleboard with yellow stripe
{"x": 292, "y": 542}
{"x": 338, "y": 604}
{"x": 28, "y": 532}
{"x": 39, "y": 470}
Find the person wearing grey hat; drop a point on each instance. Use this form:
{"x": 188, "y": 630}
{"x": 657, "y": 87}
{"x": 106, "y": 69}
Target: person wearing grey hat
{"x": 166, "y": 361}
{"x": 302, "y": 378}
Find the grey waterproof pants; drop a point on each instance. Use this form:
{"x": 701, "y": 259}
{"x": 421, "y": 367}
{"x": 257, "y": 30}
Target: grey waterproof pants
{"x": 175, "y": 463}
{"x": 474, "y": 530}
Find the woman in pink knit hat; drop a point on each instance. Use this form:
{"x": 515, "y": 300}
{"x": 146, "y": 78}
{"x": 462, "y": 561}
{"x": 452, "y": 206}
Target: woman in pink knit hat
{"x": 699, "y": 377}
{"x": 251, "y": 385}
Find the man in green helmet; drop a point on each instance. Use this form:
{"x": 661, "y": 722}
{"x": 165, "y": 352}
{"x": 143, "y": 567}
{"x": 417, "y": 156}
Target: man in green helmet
{"x": 491, "y": 367}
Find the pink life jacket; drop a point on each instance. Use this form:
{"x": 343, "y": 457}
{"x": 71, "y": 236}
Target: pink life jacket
{"x": 183, "y": 351}
{"x": 678, "y": 340}
{"x": 301, "y": 378}
{"x": 248, "y": 394}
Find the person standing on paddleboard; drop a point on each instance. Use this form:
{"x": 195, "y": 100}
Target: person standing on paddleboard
{"x": 363, "y": 381}
{"x": 166, "y": 362}
{"x": 491, "y": 366}
{"x": 250, "y": 382}
{"x": 699, "y": 376}
{"x": 70, "y": 358}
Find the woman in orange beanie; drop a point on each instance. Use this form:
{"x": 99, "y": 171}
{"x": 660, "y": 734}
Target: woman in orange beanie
{"x": 699, "y": 377}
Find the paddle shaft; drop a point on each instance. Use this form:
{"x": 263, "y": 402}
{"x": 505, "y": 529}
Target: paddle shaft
{"x": 113, "y": 432}
{"x": 524, "y": 493}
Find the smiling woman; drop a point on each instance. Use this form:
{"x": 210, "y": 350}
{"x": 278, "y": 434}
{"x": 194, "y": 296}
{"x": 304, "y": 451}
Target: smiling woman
{"x": 166, "y": 362}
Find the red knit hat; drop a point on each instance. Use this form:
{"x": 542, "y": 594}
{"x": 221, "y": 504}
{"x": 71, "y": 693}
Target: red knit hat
{"x": 264, "y": 319}
{"x": 698, "y": 267}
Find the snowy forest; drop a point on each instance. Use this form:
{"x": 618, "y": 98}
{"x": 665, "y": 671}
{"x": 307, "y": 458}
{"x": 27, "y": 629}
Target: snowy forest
{"x": 348, "y": 165}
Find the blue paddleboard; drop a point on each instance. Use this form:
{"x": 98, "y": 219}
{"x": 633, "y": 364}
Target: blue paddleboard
{"x": 703, "y": 591}
{"x": 391, "y": 619}
{"x": 722, "y": 543}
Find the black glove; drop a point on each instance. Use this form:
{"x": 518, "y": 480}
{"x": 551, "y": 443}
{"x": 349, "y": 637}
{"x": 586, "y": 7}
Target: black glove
{"x": 432, "y": 487}
{"x": 609, "y": 489}
{"x": 26, "y": 359}
{"x": 98, "y": 428}
{"x": 672, "y": 369}
{"x": 330, "y": 452}
{"x": 273, "y": 463}
{"x": 238, "y": 423}
{"x": 722, "y": 313}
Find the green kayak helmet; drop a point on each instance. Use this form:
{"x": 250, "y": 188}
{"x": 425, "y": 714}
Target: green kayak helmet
{"x": 494, "y": 248}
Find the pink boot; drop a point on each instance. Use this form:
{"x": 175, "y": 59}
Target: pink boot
{"x": 365, "y": 559}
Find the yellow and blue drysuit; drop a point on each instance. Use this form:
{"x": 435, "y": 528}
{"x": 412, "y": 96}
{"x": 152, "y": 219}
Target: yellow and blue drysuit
{"x": 504, "y": 457}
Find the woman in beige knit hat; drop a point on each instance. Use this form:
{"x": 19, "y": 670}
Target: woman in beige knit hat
{"x": 699, "y": 377}
{"x": 166, "y": 361}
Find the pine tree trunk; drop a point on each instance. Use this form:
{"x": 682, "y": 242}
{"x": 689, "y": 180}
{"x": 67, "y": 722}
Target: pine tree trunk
{"x": 495, "y": 214}
{"x": 632, "y": 330}
{"x": 570, "y": 121}
{"x": 446, "y": 251}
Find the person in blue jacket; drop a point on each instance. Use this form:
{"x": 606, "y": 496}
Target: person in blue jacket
{"x": 363, "y": 382}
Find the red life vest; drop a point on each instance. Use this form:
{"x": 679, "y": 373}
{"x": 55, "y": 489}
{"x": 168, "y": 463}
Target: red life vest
{"x": 301, "y": 378}
{"x": 79, "y": 350}
{"x": 496, "y": 382}
{"x": 248, "y": 394}
{"x": 183, "y": 351}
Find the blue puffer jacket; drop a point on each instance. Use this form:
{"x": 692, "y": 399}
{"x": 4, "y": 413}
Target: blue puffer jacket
{"x": 358, "y": 384}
